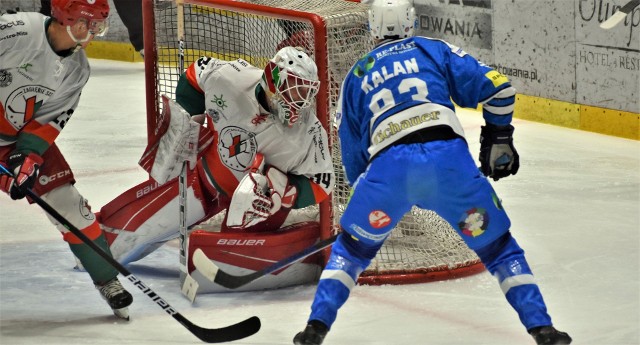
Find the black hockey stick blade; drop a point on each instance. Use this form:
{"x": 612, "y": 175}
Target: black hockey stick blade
{"x": 233, "y": 332}
{"x": 222, "y": 278}
{"x": 620, "y": 14}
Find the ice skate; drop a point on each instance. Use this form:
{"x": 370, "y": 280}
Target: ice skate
{"x": 548, "y": 335}
{"x": 313, "y": 334}
{"x": 118, "y": 298}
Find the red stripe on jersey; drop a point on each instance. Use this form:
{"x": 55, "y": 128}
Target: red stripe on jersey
{"x": 46, "y": 132}
{"x": 192, "y": 78}
{"x": 318, "y": 193}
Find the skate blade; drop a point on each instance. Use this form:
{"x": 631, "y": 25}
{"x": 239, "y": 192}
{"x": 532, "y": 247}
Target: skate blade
{"x": 122, "y": 313}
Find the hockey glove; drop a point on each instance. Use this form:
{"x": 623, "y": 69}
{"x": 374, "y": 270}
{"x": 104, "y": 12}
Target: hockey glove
{"x": 281, "y": 192}
{"x": 498, "y": 156}
{"x": 258, "y": 196}
{"x": 25, "y": 168}
{"x": 250, "y": 204}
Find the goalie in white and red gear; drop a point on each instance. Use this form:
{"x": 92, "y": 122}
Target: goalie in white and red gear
{"x": 250, "y": 112}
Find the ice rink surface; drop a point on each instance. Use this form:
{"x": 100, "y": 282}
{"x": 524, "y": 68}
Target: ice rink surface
{"x": 574, "y": 205}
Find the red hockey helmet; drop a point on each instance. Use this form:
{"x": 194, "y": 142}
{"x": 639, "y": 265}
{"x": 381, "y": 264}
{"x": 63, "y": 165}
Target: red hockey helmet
{"x": 94, "y": 12}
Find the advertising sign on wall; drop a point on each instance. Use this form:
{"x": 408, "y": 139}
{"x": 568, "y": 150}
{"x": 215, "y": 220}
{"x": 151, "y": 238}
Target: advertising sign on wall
{"x": 607, "y": 61}
{"x": 465, "y": 23}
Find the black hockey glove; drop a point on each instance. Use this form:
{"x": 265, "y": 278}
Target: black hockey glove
{"x": 498, "y": 156}
{"x": 25, "y": 168}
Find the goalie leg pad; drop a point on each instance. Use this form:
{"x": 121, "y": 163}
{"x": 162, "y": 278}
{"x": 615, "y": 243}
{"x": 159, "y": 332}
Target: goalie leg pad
{"x": 242, "y": 251}
{"x": 146, "y": 216}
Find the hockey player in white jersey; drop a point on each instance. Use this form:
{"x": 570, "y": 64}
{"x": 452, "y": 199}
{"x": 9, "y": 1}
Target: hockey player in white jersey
{"x": 43, "y": 69}
{"x": 263, "y": 151}
{"x": 402, "y": 145}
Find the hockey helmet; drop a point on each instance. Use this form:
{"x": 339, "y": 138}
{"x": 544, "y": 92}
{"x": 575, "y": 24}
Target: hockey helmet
{"x": 291, "y": 82}
{"x": 93, "y": 12}
{"x": 391, "y": 19}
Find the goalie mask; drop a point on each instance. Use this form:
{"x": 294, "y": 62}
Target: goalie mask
{"x": 290, "y": 80}
{"x": 391, "y": 19}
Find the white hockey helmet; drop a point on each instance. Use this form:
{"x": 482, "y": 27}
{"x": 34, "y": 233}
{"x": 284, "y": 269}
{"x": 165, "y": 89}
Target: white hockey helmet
{"x": 391, "y": 18}
{"x": 291, "y": 82}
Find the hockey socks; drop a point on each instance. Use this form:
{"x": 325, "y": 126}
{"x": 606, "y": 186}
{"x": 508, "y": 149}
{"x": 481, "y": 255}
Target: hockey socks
{"x": 505, "y": 260}
{"x": 348, "y": 260}
{"x": 98, "y": 268}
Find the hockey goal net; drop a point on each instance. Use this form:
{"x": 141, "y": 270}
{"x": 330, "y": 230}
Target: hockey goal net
{"x": 423, "y": 247}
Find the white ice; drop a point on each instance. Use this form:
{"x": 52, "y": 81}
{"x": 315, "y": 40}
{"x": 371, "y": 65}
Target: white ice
{"x": 574, "y": 206}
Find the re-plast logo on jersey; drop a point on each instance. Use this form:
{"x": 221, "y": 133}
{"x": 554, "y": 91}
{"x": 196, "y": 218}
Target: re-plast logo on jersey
{"x": 364, "y": 65}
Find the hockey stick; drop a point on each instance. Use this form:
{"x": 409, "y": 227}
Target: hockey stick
{"x": 218, "y": 276}
{"x": 236, "y": 331}
{"x": 190, "y": 285}
{"x": 620, "y": 14}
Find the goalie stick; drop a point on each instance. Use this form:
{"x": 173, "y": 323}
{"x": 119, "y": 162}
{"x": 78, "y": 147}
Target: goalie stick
{"x": 620, "y": 14}
{"x": 233, "y": 332}
{"x": 218, "y": 276}
{"x": 190, "y": 285}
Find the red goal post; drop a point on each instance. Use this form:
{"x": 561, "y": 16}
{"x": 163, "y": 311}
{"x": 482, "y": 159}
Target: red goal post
{"x": 423, "y": 247}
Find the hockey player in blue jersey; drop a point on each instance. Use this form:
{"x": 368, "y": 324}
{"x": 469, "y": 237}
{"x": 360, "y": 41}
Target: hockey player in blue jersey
{"x": 402, "y": 145}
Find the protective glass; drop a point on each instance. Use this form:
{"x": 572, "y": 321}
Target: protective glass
{"x": 96, "y": 27}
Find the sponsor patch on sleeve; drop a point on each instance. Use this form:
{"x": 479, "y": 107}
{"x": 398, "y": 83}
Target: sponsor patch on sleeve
{"x": 496, "y": 78}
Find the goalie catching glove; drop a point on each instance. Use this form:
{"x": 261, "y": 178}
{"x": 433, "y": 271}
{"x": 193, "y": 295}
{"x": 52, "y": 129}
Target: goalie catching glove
{"x": 498, "y": 156}
{"x": 25, "y": 168}
{"x": 258, "y": 195}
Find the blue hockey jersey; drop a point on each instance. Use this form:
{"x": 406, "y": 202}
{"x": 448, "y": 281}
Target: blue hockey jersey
{"x": 406, "y": 85}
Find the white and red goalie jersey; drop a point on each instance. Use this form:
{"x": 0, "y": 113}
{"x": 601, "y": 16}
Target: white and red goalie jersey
{"x": 229, "y": 93}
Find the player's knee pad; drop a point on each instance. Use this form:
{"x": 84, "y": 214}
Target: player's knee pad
{"x": 67, "y": 201}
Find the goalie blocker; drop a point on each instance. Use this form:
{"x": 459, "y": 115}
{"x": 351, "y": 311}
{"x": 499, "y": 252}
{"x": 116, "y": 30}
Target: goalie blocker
{"x": 241, "y": 253}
